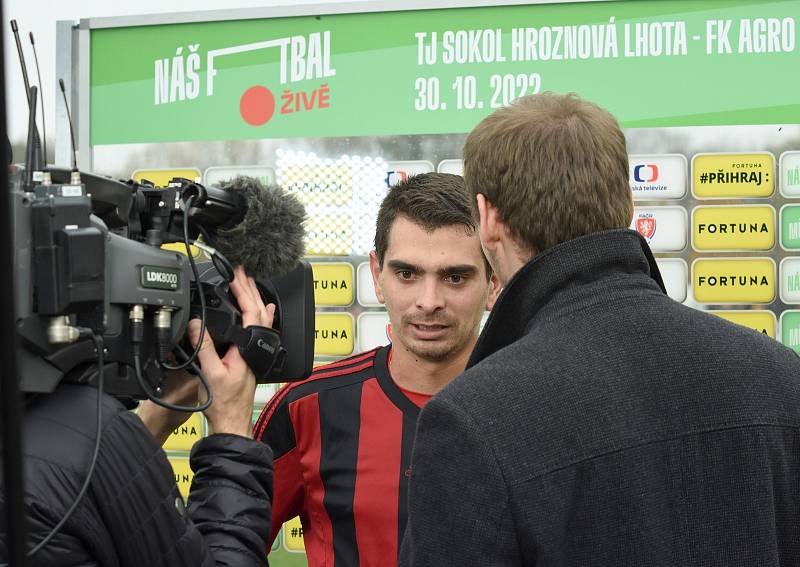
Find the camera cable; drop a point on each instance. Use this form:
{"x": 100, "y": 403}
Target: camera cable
{"x": 187, "y": 242}
{"x": 137, "y": 364}
{"x": 98, "y": 343}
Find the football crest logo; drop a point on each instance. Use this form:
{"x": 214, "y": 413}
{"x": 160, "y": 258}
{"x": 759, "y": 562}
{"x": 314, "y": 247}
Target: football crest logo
{"x": 646, "y": 226}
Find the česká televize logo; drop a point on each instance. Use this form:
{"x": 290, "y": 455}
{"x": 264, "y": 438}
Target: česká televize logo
{"x": 302, "y": 58}
{"x": 645, "y": 173}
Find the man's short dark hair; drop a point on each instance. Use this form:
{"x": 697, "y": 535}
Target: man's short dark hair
{"x": 431, "y": 200}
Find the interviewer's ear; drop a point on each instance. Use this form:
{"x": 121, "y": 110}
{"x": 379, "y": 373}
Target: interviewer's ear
{"x": 489, "y": 224}
{"x": 494, "y": 290}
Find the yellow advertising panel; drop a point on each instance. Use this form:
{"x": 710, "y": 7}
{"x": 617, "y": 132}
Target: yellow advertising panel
{"x": 185, "y": 436}
{"x": 728, "y": 280}
{"x": 293, "y": 536}
{"x": 333, "y": 283}
{"x": 761, "y": 321}
{"x": 717, "y": 176}
{"x": 733, "y": 228}
{"x": 333, "y": 334}
{"x": 183, "y": 474}
{"x": 162, "y": 177}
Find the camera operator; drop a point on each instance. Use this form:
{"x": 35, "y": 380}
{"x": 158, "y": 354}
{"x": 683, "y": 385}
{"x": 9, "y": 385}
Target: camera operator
{"x": 132, "y": 513}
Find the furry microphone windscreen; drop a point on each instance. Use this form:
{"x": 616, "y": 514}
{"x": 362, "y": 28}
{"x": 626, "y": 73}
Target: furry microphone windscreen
{"x": 268, "y": 242}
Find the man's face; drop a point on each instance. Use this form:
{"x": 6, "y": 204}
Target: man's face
{"x": 434, "y": 286}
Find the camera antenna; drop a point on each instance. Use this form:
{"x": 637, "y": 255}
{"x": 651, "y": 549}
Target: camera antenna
{"x": 25, "y": 81}
{"x": 35, "y": 138}
{"x": 41, "y": 101}
{"x": 30, "y": 146}
{"x": 75, "y": 173}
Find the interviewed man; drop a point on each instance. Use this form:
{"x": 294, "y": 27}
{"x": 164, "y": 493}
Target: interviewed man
{"x": 598, "y": 422}
{"x": 342, "y": 439}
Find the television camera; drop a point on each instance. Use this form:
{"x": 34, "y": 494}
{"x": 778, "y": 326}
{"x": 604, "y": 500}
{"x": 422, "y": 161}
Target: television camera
{"x": 88, "y": 260}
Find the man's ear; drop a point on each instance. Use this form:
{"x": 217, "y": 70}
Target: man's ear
{"x": 489, "y": 226}
{"x": 375, "y": 268}
{"x": 494, "y": 290}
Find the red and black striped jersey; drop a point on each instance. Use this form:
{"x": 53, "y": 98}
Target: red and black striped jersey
{"x": 342, "y": 443}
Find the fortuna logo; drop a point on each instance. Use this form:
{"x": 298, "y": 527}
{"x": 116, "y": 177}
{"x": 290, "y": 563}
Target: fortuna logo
{"x": 733, "y": 228}
{"x": 646, "y": 226}
{"x": 645, "y": 173}
{"x": 733, "y": 281}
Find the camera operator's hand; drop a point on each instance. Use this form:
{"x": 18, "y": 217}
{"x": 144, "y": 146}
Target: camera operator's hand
{"x": 180, "y": 389}
{"x": 233, "y": 384}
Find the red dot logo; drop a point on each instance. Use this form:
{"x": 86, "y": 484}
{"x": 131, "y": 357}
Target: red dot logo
{"x": 257, "y": 105}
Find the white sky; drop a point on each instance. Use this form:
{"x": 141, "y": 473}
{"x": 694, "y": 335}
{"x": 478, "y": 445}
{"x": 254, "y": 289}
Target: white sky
{"x": 40, "y": 17}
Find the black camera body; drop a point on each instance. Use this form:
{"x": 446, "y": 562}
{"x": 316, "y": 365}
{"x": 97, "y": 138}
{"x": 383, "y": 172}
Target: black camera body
{"x": 88, "y": 261}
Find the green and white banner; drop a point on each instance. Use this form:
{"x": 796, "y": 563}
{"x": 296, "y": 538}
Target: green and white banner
{"x": 653, "y": 64}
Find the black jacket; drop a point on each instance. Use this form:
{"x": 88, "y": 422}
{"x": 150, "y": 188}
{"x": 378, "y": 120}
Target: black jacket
{"x": 132, "y": 514}
{"x": 601, "y": 423}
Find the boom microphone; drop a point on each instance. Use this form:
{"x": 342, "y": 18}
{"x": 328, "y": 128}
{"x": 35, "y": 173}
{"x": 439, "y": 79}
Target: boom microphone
{"x": 268, "y": 241}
